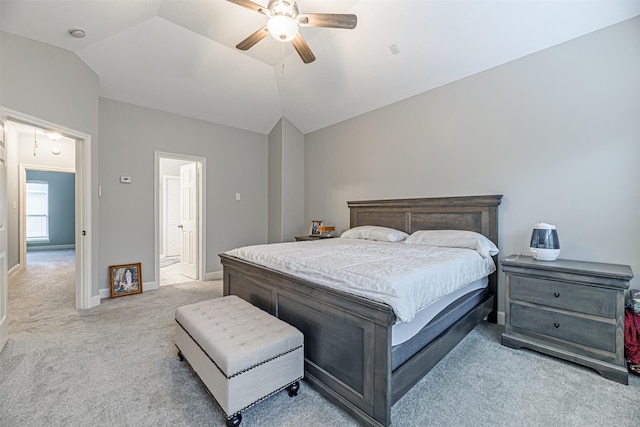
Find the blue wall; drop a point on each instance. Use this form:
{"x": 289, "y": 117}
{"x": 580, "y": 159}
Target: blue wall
{"x": 61, "y": 207}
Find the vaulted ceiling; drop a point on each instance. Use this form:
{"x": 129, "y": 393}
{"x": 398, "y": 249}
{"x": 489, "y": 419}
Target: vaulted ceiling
{"x": 179, "y": 55}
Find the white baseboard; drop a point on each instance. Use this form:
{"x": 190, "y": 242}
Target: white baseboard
{"x": 213, "y": 275}
{"x": 13, "y": 271}
{"x": 95, "y": 301}
{"x": 148, "y": 286}
{"x": 49, "y": 247}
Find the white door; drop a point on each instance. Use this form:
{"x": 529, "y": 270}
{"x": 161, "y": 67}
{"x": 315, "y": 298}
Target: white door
{"x": 4, "y": 294}
{"x": 189, "y": 220}
{"x": 172, "y": 233}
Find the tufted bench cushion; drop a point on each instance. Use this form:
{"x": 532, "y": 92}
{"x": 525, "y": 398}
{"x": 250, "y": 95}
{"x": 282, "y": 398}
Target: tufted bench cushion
{"x": 241, "y": 353}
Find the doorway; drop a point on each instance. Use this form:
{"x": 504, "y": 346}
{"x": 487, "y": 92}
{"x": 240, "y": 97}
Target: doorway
{"x": 39, "y": 148}
{"x": 179, "y": 218}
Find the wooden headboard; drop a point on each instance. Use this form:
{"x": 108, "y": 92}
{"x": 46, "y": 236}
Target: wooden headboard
{"x": 475, "y": 213}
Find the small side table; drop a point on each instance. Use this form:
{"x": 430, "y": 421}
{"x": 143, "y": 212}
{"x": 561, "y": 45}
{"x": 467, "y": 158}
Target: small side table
{"x": 572, "y": 310}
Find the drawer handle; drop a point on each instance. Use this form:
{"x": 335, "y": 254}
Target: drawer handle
{"x": 557, "y": 325}
{"x": 556, "y": 294}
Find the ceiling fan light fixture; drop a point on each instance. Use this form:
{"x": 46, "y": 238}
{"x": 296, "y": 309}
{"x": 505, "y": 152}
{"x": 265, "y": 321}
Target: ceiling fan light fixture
{"x": 282, "y": 28}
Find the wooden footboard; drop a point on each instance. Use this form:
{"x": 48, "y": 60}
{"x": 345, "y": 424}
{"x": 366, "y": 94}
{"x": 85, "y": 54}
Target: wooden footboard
{"x": 347, "y": 338}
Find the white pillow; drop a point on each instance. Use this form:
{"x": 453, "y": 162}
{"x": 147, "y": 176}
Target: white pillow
{"x": 373, "y": 232}
{"x": 454, "y": 239}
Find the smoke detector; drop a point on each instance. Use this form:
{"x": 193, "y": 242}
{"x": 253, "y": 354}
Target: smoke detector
{"x": 77, "y": 33}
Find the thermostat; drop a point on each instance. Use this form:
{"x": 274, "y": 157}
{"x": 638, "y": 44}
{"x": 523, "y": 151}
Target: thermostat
{"x": 125, "y": 179}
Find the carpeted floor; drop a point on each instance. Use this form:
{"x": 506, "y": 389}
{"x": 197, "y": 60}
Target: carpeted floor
{"x": 116, "y": 365}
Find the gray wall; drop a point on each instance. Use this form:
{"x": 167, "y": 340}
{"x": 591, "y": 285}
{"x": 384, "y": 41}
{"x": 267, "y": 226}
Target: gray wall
{"x": 286, "y": 182}
{"x": 275, "y": 184}
{"x": 557, "y": 133}
{"x": 236, "y": 162}
{"x": 293, "y": 223}
{"x": 61, "y": 207}
{"x": 54, "y": 85}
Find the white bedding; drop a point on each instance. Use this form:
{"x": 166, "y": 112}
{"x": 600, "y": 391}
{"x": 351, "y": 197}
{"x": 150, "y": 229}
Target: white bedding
{"x": 405, "y": 276}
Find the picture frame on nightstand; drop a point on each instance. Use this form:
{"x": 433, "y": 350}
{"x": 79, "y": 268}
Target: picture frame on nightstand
{"x": 315, "y": 227}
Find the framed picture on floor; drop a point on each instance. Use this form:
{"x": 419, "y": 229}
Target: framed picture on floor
{"x": 125, "y": 279}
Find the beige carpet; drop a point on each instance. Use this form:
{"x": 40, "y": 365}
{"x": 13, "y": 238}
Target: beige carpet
{"x": 116, "y": 365}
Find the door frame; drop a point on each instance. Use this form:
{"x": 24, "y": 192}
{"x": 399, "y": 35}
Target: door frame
{"x": 4, "y": 215}
{"x": 83, "y": 197}
{"x": 201, "y": 163}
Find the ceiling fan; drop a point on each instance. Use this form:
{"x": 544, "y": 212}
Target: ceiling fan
{"x": 284, "y": 21}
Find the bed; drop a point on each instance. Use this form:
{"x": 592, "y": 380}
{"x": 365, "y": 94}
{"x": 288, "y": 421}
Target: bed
{"x": 349, "y": 356}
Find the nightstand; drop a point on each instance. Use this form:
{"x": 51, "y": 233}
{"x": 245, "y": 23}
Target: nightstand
{"x": 572, "y": 310}
{"x": 306, "y": 238}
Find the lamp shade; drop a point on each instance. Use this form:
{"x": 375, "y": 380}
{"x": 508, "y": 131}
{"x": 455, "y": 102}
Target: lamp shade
{"x": 282, "y": 28}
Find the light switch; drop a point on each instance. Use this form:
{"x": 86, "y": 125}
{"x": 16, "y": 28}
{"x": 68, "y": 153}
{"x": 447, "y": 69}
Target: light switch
{"x": 237, "y": 196}
{"x": 125, "y": 179}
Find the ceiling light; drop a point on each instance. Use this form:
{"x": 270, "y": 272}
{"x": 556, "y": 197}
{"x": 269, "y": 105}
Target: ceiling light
{"x": 77, "y": 33}
{"x": 54, "y": 136}
{"x": 282, "y": 28}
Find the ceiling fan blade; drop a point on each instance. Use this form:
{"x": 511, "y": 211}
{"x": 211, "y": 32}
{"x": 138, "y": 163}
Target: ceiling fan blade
{"x": 251, "y": 5}
{"x": 254, "y": 38}
{"x": 332, "y": 20}
{"x": 303, "y": 49}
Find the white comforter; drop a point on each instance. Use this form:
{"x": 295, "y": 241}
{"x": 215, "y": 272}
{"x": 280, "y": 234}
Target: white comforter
{"x": 405, "y": 276}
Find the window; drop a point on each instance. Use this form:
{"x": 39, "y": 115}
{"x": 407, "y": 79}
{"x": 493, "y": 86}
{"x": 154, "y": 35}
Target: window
{"x": 37, "y": 201}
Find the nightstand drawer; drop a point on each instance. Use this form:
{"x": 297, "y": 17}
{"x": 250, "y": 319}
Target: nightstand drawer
{"x": 580, "y": 330}
{"x": 568, "y": 296}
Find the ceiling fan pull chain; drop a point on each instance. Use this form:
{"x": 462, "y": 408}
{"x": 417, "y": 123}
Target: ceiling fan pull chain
{"x": 35, "y": 141}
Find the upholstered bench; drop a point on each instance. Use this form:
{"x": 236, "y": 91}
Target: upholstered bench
{"x": 241, "y": 353}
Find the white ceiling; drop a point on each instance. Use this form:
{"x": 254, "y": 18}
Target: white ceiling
{"x": 179, "y": 55}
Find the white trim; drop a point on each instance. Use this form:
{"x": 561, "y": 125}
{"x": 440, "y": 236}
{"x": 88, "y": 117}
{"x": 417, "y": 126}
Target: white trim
{"x": 51, "y": 247}
{"x": 213, "y": 275}
{"x": 4, "y": 214}
{"x": 15, "y": 269}
{"x": 83, "y": 197}
{"x": 202, "y": 211}
{"x": 106, "y": 293}
{"x": 501, "y": 318}
{"x": 150, "y": 286}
